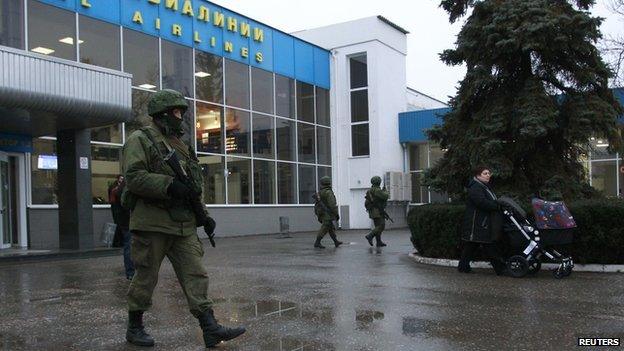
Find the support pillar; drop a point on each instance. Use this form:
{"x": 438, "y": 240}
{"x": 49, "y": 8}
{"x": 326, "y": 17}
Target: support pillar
{"x": 74, "y": 189}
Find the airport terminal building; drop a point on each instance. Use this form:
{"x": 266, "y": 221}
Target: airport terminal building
{"x": 75, "y": 81}
{"x": 270, "y": 114}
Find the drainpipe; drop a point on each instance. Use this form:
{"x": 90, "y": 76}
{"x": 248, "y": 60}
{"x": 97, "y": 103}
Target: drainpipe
{"x": 334, "y": 128}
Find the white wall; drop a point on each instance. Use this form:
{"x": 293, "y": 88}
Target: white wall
{"x": 386, "y": 51}
{"x": 419, "y": 101}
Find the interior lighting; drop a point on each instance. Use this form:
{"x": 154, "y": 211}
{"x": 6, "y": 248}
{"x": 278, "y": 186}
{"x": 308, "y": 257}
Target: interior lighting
{"x": 42, "y": 50}
{"x": 202, "y": 74}
{"x": 147, "y": 86}
{"x": 602, "y": 145}
{"x": 70, "y": 41}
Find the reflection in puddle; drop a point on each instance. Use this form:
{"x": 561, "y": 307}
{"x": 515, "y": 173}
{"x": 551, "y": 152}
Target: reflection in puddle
{"x": 365, "y": 318}
{"x": 413, "y": 326}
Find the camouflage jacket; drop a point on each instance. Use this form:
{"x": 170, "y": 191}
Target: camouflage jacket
{"x": 329, "y": 199}
{"x": 379, "y": 197}
{"x": 147, "y": 179}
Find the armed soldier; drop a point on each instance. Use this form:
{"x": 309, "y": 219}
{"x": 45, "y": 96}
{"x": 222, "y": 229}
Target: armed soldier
{"x": 163, "y": 221}
{"x": 376, "y": 201}
{"x": 327, "y": 212}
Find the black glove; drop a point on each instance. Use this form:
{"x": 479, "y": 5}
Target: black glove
{"x": 209, "y": 226}
{"x": 178, "y": 190}
{"x": 337, "y": 217}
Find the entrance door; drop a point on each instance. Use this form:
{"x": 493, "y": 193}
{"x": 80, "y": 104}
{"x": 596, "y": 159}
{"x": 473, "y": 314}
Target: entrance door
{"x": 5, "y": 219}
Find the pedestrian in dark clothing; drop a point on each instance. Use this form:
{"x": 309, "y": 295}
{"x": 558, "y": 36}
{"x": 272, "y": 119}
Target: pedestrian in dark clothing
{"x": 121, "y": 216}
{"x": 482, "y": 222}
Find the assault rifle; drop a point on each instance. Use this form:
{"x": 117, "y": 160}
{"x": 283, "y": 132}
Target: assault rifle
{"x": 194, "y": 199}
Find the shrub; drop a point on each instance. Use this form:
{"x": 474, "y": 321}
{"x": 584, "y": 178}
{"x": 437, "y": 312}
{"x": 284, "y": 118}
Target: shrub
{"x": 599, "y": 237}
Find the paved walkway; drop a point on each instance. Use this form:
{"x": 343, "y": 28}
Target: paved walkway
{"x": 294, "y": 297}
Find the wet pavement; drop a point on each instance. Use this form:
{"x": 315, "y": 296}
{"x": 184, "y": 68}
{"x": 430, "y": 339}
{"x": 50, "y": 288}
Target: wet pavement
{"x": 291, "y": 296}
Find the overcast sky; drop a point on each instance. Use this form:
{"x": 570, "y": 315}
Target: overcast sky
{"x": 430, "y": 30}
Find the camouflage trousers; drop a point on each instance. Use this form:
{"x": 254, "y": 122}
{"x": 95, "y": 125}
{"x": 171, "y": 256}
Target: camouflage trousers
{"x": 326, "y": 227}
{"x": 185, "y": 254}
{"x": 380, "y": 225}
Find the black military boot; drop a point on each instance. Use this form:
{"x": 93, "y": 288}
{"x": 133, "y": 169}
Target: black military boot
{"x": 369, "y": 238}
{"x": 379, "y": 242}
{"x": 318, "y": 244}
{"x": 136, "y": 332}
{"x": 336, "y": 241}
{"x": 214, "y": 333}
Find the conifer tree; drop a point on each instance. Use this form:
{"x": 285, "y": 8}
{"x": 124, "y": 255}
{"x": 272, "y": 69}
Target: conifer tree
{"x": 535, "y": 91}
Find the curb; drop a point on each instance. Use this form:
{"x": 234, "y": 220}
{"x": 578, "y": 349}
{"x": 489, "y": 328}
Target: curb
{"x": 56, "y": 255}
{"x": 445, "y": 262}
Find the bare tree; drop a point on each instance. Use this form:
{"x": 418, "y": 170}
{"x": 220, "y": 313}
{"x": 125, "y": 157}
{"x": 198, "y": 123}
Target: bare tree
{"x": 613, "y": 46}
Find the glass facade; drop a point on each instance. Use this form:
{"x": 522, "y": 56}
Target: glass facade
{"x": 261, "y": 138}
{"x": 358, "y": 76}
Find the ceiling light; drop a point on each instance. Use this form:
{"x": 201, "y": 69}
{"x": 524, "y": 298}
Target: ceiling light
{"x": 602, "y": 145}
{"x": 147, "y": 86}
{"x": 70, "y": 41}
{"x": 42, "y": 50}
{"x": 592, "y": 138}
{"x": 202, "y": 74}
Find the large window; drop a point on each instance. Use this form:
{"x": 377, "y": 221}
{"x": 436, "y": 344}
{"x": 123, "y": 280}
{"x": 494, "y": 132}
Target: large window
{"x": 140, "y": 98}
{"x": 286, "y": 183}
{"x": 322, "y": 106}
{"x": 105, "y": 166}
{"x": 263, "y": 127}
{"x": 286, "y": 135}
{"x": 208, "y": 77}
{"x": 323, "y": 140}
{"x": 213, "y": 168}
{"x": 51, "y": 31}
{"x": 603, "y": 178}
{"x": 305, "y": 102}
{"x": 43, "y": 163}
{"x": 359, "y": 105}
{"x": 12, "y": 23}
{"x": 99, "y": 43}
{"x": 421, "y": 157}
{"x": 307, "y": 184}
{"x": 236, "y": 84}
{"x": 238, "y": 180}
{"x": 262, "y": 90}
{"x": 209, "y": 128}
{"x": 237, "y": 132}
{"x": 264, "y": 182}
{"x": 306, "y": 141}
{"x": 284, "y": 96}
{"x": 111, "y": 134}
{"x": 177, "y": 67}
{"x": 141, "y": 59}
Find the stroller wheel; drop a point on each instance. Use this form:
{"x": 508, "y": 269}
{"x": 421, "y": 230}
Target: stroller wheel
{"x": 517, "y": 266}
{"x": 559, "y": 273}
{"x": 534, "y": 266}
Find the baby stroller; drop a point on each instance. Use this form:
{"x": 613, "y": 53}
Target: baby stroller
{"x": 530, "y": 241}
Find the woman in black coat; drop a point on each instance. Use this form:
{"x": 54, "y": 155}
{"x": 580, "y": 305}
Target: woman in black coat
{"x": 482, "y": 222}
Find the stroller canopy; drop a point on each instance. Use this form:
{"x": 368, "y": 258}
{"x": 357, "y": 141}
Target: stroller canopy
{"x": 552, "y": 215}
{"x": 511, "y": 204}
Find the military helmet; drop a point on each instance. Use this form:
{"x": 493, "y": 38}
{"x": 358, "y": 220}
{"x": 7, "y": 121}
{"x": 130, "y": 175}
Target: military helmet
{"x": 326, "y": 180}
{"x": 376, "y": 180}
{"x": 165, "y": 100}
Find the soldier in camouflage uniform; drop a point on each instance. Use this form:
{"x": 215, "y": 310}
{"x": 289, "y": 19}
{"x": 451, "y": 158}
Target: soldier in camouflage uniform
{"x": 162, "y": 222}
{"x": 328, "y": 213}
{"x": 376, "y": 200}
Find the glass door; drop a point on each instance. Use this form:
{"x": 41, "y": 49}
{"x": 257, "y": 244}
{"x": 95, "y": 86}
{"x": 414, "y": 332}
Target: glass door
{"x": 5, "y": 232}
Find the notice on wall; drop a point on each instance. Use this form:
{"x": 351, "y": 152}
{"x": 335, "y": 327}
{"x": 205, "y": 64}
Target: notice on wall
{"x": 84, "y": 163}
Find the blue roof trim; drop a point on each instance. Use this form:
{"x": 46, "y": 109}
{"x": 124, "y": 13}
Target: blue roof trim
{"x": 413, "y": 124}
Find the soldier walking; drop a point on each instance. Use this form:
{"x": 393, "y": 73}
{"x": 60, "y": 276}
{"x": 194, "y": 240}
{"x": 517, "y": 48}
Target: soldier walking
{"x": 162, "y": 220}
{"x": 376, "y": 201}
{"x": 327, "y": 212}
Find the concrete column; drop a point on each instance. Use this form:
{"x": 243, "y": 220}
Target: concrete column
{"x": 74, "y": 189}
